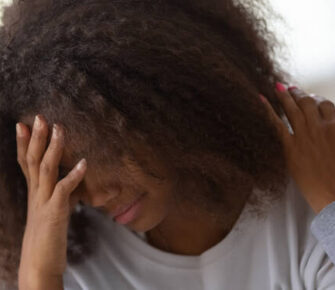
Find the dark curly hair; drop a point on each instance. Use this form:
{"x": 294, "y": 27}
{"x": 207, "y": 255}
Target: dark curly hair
{"x": 181, "y": 77}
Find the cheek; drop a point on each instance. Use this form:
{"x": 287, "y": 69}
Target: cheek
{"x": 157, "y": 205}
{"x": 159, "y": 201}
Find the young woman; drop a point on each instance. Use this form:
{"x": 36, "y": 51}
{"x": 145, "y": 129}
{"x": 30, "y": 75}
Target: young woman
{"x": 186, "y": 181}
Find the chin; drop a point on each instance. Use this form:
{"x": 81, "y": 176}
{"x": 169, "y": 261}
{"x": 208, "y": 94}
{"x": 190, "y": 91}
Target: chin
{"x": 145, "y": 222}
{"x": 153, "y": 212}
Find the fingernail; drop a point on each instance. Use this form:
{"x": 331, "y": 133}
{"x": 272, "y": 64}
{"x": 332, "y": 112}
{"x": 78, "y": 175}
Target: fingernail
{"x": 81, "y": 164}
{"x": 37, "y": 122}
{"x": 55, "y": 131}
{"x": 280, "y": 87}
{"x": 19, "y": 129}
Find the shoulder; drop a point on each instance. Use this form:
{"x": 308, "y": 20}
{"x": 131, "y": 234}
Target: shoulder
{"x": 294, "y": 218}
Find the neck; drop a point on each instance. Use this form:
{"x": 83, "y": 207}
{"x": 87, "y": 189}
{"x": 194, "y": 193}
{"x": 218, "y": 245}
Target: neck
{"x": 189, "y": 233}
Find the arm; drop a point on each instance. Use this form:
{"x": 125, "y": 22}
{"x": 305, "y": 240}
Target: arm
{"x": 323, "y": 228}
{"x": 40, "y": 281}
{"x": 43, "y": 251}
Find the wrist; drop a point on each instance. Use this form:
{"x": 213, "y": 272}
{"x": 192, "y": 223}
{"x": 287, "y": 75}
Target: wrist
{"x": 34, "y": 280}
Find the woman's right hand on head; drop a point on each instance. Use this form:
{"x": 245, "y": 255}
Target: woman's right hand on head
{"x": 49, "y": 203}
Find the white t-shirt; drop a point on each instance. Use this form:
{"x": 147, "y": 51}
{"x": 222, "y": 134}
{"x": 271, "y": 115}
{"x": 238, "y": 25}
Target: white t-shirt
{"x": 276, "y": 253}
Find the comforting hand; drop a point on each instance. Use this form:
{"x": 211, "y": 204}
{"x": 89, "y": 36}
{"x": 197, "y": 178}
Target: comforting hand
{"x": 43, "y": 254}
{"x": 310, "y": 150}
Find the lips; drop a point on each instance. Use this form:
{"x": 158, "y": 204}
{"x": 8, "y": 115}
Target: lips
{"x": 121, "y": 209}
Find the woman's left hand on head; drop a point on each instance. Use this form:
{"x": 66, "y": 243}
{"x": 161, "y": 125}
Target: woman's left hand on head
{"x": 310, "y": 150}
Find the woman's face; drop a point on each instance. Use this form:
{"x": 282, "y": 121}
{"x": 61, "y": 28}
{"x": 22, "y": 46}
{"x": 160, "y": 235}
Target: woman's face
{"x": 108, "y": 189}
{"x": 101, "y": 188}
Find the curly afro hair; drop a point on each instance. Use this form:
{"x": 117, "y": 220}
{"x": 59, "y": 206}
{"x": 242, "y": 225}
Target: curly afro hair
{"x": 181, "y": 77}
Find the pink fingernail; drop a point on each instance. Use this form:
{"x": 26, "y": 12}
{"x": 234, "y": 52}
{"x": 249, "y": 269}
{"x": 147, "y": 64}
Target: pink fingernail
{"x": 280, "y": 87}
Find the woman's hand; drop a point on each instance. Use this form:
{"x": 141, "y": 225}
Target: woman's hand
{"x": 310, "y": 150}
{"x": 50, "y": 202}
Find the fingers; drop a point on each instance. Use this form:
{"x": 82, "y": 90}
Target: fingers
{"x": 22, "y": 142}
{"x": 294, "y": 114}
{"x": 277, "y": 121}
{"x": 41, "y": 168}
{"x": 36, "y": 149}
{"x": 48, "y": 173}
{"x": 308, "y": 104}
{"x": 305, "y": 112}
{"x": 64, "y": 187}
{"x": 326, "y": 108}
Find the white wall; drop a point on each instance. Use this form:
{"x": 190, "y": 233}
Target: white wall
{"x": 310, "y": 37}
{"x": 3, "y": 3}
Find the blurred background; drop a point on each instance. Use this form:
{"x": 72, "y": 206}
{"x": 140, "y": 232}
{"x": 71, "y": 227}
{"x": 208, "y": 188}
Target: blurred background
{"x": 309, "y": 35}
{"x": 307, "y": 30}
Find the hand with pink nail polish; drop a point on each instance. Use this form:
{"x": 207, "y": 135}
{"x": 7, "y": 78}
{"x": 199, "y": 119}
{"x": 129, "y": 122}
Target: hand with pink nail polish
{"x": 310, "y": 151}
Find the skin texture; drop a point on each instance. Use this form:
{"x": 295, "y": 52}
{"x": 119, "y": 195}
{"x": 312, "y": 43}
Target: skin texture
{"x": 48, "y": 214}
{"x": 310, "y": 150}
{"x": 43, "y": 255}
{"x": 159, "y": 97}
{"x": 161, "y": 212}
